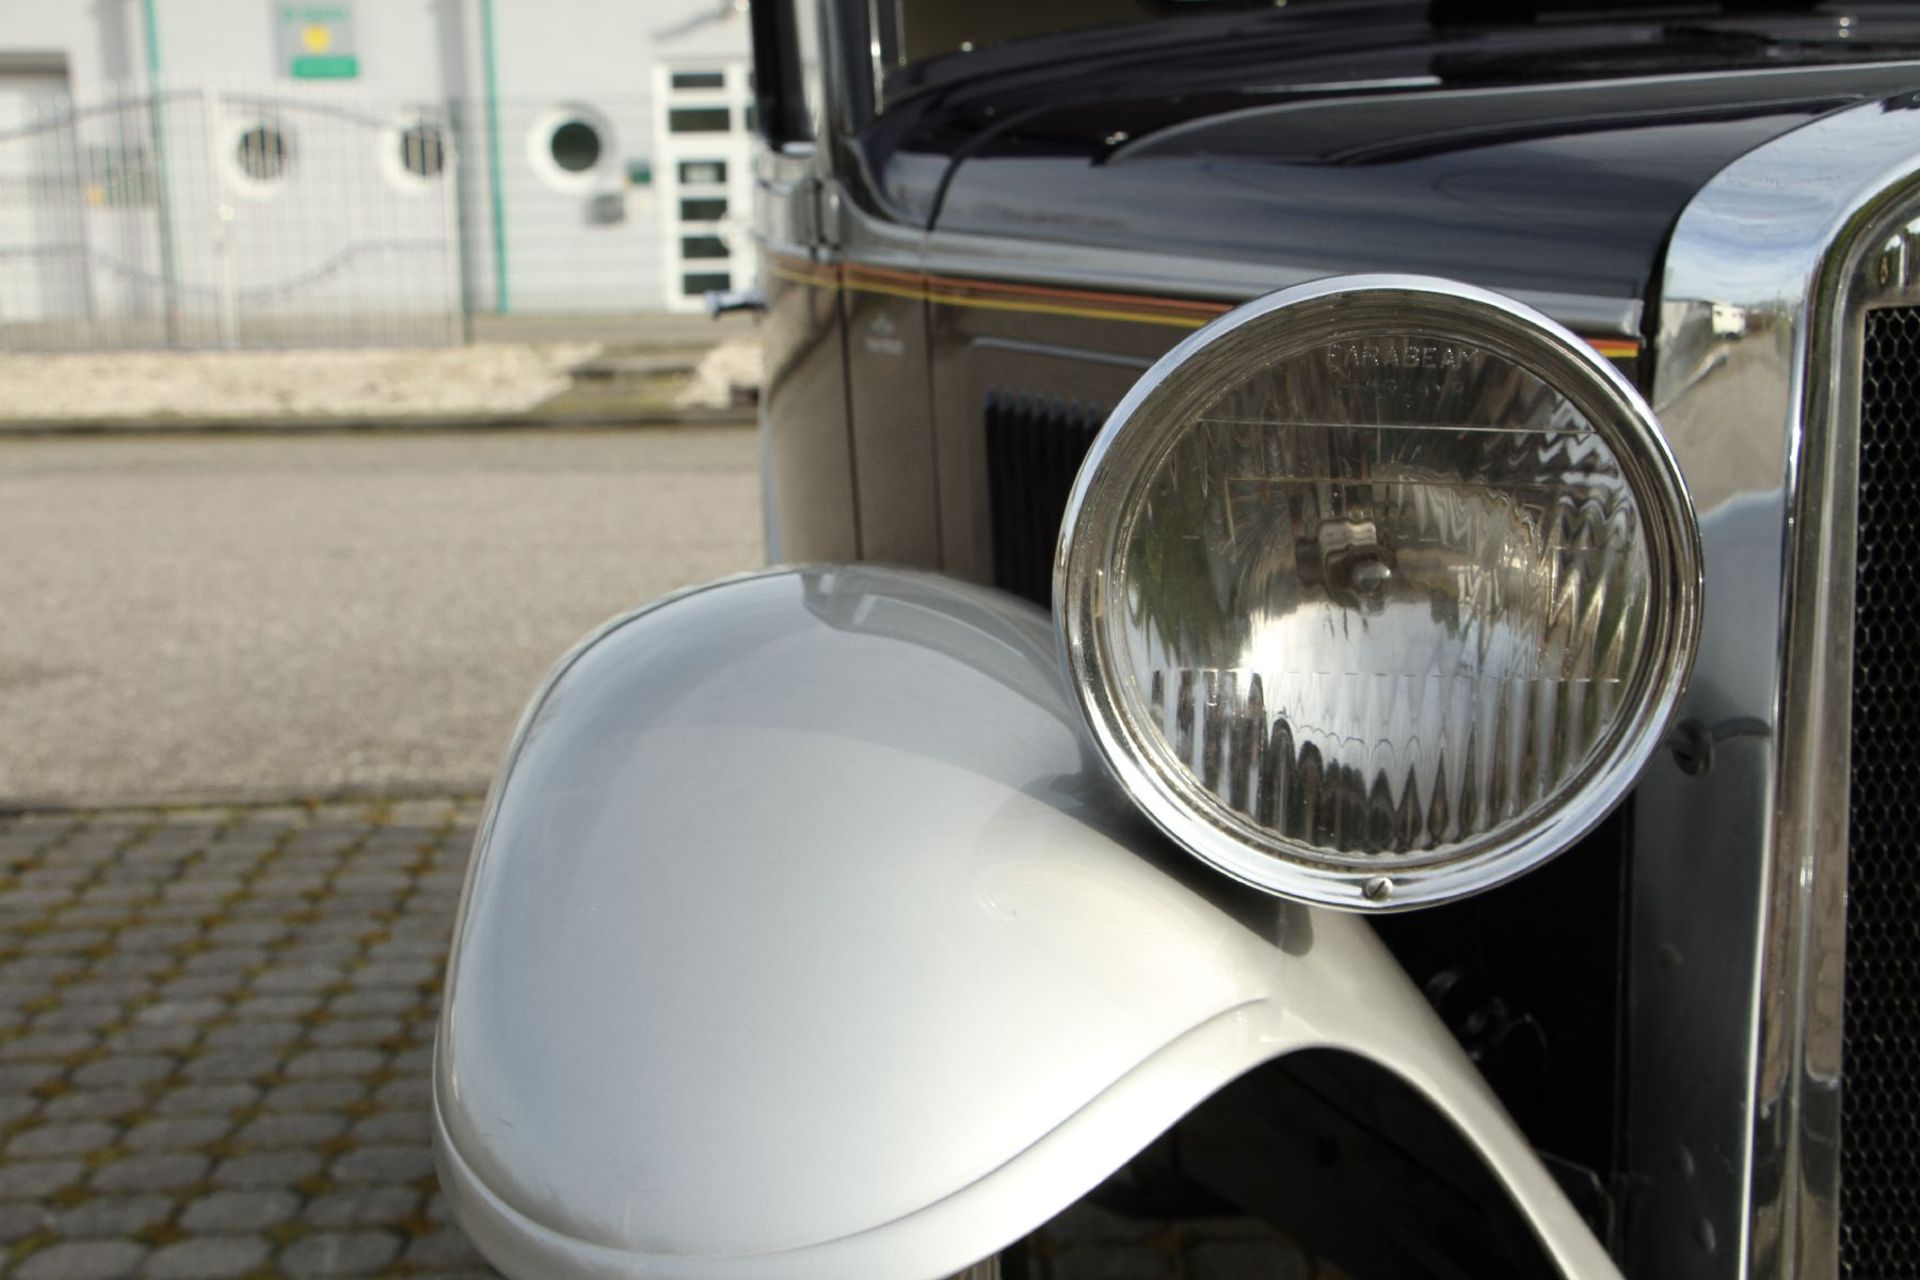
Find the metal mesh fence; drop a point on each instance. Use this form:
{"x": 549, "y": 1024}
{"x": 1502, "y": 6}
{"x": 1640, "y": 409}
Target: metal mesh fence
{"x": 208, "y": 219}
{"x": 226, "y": 219}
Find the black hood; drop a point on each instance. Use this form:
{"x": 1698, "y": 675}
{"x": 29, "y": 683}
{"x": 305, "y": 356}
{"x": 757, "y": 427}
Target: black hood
{"x": 1537, "y": 160}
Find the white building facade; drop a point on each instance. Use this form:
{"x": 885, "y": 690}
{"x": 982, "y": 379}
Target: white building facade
{"x": 250, "y": 172}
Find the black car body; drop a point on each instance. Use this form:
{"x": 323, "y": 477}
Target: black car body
{"x": 976, "y": 233}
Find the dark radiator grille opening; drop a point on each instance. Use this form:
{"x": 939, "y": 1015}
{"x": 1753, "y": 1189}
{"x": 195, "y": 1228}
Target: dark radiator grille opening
{"x": 1034, "y": 447}
{"x": 1880, "y": 1102}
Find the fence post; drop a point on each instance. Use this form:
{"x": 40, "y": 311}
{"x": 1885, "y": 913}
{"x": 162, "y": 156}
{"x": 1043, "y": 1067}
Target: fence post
{"x": 456, "y": 257}
{"x": 162, "y": 176}
{"x": 502, "y": 298}
{"x": 223, "y": 215}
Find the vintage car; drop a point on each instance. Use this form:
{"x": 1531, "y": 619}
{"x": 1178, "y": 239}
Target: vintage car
{"x": 1455, "y": 809}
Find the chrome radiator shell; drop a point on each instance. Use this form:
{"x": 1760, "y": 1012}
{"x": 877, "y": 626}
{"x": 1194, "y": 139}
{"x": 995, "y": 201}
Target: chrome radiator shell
{"x": 1738, "y": 919}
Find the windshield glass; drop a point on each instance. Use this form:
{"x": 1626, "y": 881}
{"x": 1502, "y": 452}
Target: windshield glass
{"x": 915, "y": 30}
{"x": 909, "y": 32}
{"x": 920, "y": 43}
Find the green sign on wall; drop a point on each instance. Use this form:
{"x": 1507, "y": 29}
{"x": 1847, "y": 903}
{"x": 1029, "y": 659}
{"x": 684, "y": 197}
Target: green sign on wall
{"x": 315, "y": 41}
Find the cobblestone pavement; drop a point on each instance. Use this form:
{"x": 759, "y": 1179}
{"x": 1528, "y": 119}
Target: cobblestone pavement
{"x": 215, "y": 1028}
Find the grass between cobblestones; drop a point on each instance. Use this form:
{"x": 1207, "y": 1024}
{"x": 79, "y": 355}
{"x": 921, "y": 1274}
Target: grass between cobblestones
{"x": 215, "y": 1031}
{"x": 216, "y": 1026}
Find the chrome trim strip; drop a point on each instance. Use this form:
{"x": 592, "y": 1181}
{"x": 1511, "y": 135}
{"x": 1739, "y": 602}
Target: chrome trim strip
{"x": 1740, "y": 864}
{"x": 871, "y": 241}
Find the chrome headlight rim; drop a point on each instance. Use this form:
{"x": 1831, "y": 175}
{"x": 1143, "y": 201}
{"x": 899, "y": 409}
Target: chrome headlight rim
{"x": 1149, "y": 422}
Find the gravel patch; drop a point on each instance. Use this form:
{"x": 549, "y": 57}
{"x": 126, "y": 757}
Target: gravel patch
{"x": 483, "y": 379}
{"x": 725, "y": 376}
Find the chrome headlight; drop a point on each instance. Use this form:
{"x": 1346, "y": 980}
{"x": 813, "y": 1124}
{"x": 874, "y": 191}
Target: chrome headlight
{"x": 1379, "y": 591}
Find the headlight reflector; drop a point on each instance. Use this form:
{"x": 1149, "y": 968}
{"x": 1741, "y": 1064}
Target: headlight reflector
{"x": 1379, "y": 591}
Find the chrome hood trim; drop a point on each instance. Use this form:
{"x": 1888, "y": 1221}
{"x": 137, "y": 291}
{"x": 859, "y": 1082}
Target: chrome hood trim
{"x": 805, "y": 936}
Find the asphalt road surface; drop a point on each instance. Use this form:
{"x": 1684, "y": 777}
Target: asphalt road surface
{"x": 307, "y": 615}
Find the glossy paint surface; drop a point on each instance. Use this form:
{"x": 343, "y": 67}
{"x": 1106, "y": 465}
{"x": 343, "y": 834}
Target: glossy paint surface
{"x": 1495, "y": 203}
{"x": 806, "y": 937}
{"x": 1725, "y": 1173}
{"x": 1217, "y": 159}
{"x": 1546, "y": 162}
{"x": 808, "y": 477}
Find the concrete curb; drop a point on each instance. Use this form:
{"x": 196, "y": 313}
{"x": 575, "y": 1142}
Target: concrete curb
{"x": 121, "y": 427}
{"x": 248, "y": 797}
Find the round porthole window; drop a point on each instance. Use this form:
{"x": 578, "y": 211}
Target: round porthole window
{"x": 423, "y": 150}
{"x": 571, "y": 147}
{"x": 575, "y": 146}
{"x": 414, "y": 151}
{"x": 263, "y": 153}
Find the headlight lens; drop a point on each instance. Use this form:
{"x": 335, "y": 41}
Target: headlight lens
{"x": 1378, "y": 592}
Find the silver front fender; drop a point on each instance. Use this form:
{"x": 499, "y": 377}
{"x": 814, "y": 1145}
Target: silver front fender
{"x": 807, "y": 936}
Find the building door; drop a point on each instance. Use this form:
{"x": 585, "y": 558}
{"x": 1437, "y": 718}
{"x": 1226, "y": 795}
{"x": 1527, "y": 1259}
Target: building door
{"x": 703, "y": 126}
{"x": 43, "y": 229}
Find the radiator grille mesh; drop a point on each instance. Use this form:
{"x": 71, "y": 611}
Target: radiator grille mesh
{"x": 1880, "y": 1116}
{"x": 1034, "y": 447}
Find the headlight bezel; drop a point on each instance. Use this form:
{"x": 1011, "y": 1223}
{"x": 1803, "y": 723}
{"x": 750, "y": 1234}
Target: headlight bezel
{"x": 1150, "y": 421}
